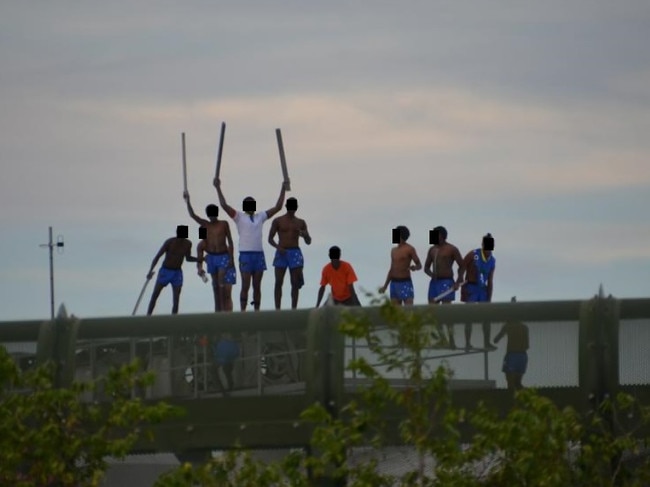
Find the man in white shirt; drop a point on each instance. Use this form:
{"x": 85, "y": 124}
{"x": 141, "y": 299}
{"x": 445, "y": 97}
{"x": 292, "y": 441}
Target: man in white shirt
{"x": 252, "y": 263}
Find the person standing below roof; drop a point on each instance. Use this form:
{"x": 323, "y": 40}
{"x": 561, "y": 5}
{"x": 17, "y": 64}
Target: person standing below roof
{"x": 438, "y": 265}
{"x": 515, "y": 361}
{"x": 288, "y": 254}
{"x": 175, "y": 250}
{"x": 341, "y": 277}
{"x": 399, "y": 274}
{"x": 252, "y": 263}
{"x": 218, "y": 246}
{"x": 479, "y": 265}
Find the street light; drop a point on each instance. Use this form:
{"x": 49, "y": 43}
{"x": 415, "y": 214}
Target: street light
{"x": 51, "y": 245}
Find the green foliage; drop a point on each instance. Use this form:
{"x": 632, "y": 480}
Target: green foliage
{"x": 49, "y": 436}
{"x": 534, "y": 444}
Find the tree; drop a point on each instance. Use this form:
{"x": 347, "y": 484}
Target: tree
{"x": 535, "y": 443}
{"x": 50, "y": 437}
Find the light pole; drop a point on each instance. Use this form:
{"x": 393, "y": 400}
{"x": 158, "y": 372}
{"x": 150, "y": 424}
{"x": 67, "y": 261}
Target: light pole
{"x": 51, "y": 245}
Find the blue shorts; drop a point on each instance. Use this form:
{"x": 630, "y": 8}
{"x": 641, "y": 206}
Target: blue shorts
{"x": 292, "y": 258}
{"x": 173, "y": 276}
{"x": 439, "y": 286}
{"x": 226, "y": 351}
{"x": 475, "y": 293}
{"x": 231, "y": 275}
{"x": 401, "y": 289}
{"x": 251, "y": 262}
{"x": 515, "y": 363}
{"x": 217, "y": 261}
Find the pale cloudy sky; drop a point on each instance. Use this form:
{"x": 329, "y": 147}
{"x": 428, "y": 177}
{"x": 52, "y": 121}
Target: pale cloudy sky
{"x": 529, "y": 120}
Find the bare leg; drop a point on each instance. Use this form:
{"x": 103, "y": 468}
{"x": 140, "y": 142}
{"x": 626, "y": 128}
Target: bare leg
{"x": 221, "y": 276}
{"x": 227, "y": 297}
{"x": 279, "y": 281}
{"x": 297, "y": 281}
{"x": 176, "y": 292}
{"x": 257, "y": 289}
{"x": 215, "y": 291}
{"x": 408, "y": 302}
{"x": 154, "y": 298}
{"x": 245, "y": 286}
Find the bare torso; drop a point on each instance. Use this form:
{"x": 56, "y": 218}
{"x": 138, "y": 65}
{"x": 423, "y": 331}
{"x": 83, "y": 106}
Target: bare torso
{"x": 289, "y": 229}
{"x": 175, "y": 251}
{"x": 441, "y": 259}
{"x": 400, "y": 261}
{"x": 216, "y": 243}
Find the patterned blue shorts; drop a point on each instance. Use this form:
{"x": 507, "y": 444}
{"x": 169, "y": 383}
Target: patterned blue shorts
{"x": 401, "y": 289}
{"x": 292, "y": 258}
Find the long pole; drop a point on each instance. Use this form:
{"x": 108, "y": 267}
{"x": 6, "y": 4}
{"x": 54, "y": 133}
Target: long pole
{"x": 220, "y": 151}
{"x": 283, "y": 160}
{"x": 184, "y": 163}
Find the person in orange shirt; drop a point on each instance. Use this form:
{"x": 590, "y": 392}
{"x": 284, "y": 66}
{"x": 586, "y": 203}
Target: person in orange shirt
{"x": 341, "y": 277}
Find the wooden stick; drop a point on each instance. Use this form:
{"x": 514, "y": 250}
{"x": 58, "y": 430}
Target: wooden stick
{"x": 184, "y": 163}
{"x": 137, "y": 303}
{"x": 221, "y": 137}
{"x": 283, "y": 161}
{"x": 447, "y": 292}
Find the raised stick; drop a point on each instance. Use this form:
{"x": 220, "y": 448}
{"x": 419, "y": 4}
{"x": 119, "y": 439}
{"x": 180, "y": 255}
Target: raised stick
{"x": 184, "y": 163}
{"x": 137, "y": 303}
{"x": 283, "y": 160}
{"x": 221, "y": 137}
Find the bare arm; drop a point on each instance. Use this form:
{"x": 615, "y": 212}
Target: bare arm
{"x": 230, "y": 245}
{"x": 489, "y": 286}
{"x": 190, "y": 210}
{"x": 321, "y": 291}
{"x": 416, "y": 260}
{"x": 273, "y": 230}
{"x": 501, "y": 333}
{"x": 222, "y": 199}
{"x": 278, "y": 206}
{"x": 461, "y": 267}
{"x": 427, "y": 265}
{"x": 160, "y": 253}
{"x": 304, "y": 233}
{"x": 199, "y": 259}
{"x": 382, "y": 290}
{"x": 188, "y": 253}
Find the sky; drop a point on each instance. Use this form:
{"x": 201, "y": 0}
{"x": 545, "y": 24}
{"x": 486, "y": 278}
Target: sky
{"x": 529, "y": 120}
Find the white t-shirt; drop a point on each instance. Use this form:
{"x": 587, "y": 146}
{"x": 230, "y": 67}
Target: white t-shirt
{"x": 250, "y": 232}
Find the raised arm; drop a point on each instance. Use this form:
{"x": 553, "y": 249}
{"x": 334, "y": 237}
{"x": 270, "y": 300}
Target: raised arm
{"x": 222, "y": 200}
{"x": 278, "y": 206}
{"x": 194, "y": 216}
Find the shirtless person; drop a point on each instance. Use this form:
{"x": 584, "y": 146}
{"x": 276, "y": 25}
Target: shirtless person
{"x": 479, "y": 265}
{"x": 438, "y": 266}
{"x": 515, "y": 361}
{"x": 251, "y": 252}
{"x": 218, "y": 247}
{"x": 399, "y": 274}
{"x": 176, "y": 250}
{"x": 230, "y": 277}
{"x": 288, "y": 253}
